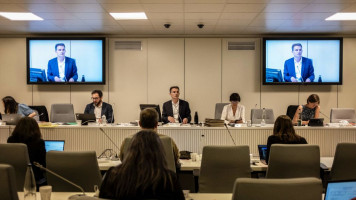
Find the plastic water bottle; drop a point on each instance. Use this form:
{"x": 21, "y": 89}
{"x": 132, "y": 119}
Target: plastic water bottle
{"x": 29, "y": 187}
{"x": 103, "y": 120}
{"x": 263, "y": 120}
{"x": 319, "y": 80}
{"x": 201, "y": 144}
{"x": 83, "y": 78}
{"x": 196, "y": 118}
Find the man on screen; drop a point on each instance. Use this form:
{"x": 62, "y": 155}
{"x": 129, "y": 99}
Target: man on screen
{"x": 176, "y": 110}
{"x": 62, "y": 68}
{"x": 298, "y": 68}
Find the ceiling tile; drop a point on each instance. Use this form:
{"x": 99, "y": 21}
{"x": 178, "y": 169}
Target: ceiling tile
{"x": 244, "y": 7}
{"x": 323, "y": 7}
{"x": 44, "y": 7}
{"x": 54, "y": 15}
{"x": 161, "y": 1}
{"x": 12, "y": 8}
{"x": 243, "y": 16}
{"x": 275, "y": 16}
{"x": 202, "y": 16}
{"x": 82, "y": 7}
{"x": 233, "y": 22}
{"x": 166, "y": 16}
{"x": 123, "y": 7}
{"x": 204, "y": 7}
{"x": 284, "y": 7}
{"x": 203, "y": 1}
{"x": 163, "y": 7}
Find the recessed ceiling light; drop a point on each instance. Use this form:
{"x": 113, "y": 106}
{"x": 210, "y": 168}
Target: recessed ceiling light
{"x": 129, "y": 16}
{"x": 342, "y": 16}
{"x": 21, "y": 16}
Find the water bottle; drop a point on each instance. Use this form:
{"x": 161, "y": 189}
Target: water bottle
{"x": 201, "y": 144}
{"x": 263, "y": 120}
{"x": 83, "y": 78}
{"x": 29, "y": 187}
{"x": 196, "y": 118}
{"x": 103, "y": 120}
{"x": 319, "y": 80}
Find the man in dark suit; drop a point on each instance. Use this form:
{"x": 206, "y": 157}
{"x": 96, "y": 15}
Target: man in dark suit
{"x": 62, "y": 68}
{"x": 99, "y": 108}
{"x": 298, "y": 68}
{"x": 176, "y": 110}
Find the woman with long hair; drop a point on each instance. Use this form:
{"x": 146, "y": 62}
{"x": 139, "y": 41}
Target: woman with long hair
{"x": 143, "y": 173}
{"x": 283, "y": 133}
{"x": 12, "y": 107}
{"x": 28, "y": 132}
{"x": 308, "y": 111}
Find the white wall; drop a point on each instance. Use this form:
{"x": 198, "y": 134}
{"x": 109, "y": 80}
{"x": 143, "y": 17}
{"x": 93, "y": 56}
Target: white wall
{"x": 204, "y": 69}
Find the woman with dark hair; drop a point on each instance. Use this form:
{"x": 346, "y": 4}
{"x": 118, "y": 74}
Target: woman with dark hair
{"x": 143, "y": 173}
{"x": 12, "y": 107}
{"x": 308, "y": 111}
{"x": 283, "y": 133}
{"x": 234, "y": 112}
{"x": 28, "y": 132}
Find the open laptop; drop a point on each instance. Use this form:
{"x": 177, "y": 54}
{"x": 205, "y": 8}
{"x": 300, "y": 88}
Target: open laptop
{"x": 262, "y": 151}
{"x": 54, "y": 145}
{"x": 11, "y": 119}
{"x": 340, "y": 190}
{"x": 85, "y": 118}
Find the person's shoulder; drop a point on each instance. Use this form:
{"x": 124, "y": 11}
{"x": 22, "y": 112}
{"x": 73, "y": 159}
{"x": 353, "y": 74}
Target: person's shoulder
{"x": 303, "y": 140}
{"x": 167, "y": 102}
{"x": 70, "y": 59}
{"x": 242, "y": 106}
{"x": 52, "y": 60}
{"x": 183, "y": 101}
{"x": 289, "y": 60}
{"x": 22, "y": 105}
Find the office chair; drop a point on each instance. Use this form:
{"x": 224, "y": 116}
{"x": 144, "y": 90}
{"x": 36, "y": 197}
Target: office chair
{"x": 16, "y": 155}
{"x": 42, "y": 113}
{"x": 344, "y": 165}
{"x": 338, "y": 114}
{"x": 293, "y": 161}
{"x": 277, "y": 189}
{"x": 8, "y": 189}
{"x": 62, "y": 113}
{"x": 291, "y": 111}
{"x": 218, "y": 109}
{"x": 256, "y": 116}
{"x": 221, "y": 165}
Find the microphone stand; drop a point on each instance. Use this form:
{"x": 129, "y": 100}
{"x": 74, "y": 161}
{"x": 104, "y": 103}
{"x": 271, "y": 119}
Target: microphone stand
{"x": 102, "y": 130}
{"x": 230, "y": 134}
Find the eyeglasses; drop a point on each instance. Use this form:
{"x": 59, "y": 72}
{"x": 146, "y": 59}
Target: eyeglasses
{"x": 95, "y": 98}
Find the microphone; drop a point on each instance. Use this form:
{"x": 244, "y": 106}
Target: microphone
{"x": 325, "y": 115}
{"x": 230, "y": 134}
{"x": 62, "y": 178}
{"x": 102, "y": 130}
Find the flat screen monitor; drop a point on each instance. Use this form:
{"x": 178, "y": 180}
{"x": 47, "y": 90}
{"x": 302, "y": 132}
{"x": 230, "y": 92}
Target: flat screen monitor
{"x": 155, "y": 106}
{"x": 340, "y": 190}
{"x": 54, "y": 145}
{"x": 65, "y": 60}
{"x": 299, "y": 61}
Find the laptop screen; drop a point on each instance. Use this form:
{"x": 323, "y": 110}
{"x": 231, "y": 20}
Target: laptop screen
{"x": 341, "y": 190}
{"x": 262, "y": 150}
{"x": 54, "y": 145}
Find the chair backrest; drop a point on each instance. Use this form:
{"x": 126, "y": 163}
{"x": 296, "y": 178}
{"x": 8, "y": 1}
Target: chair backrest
{"x": 256, "y": 116}
{"x": 168, "y": 150}
{"x": 8, "y": 189}
{"x": 218, "y": 109}
{"x": 16, "y": 155}
{"x": 293, "y": 161}
{"x": 338, "y": 114}
{"x": 221, "y": 165}
{"x": 79, "y": 167}
{"x": 62, "y": 113}
{"x": 291, "y": 111}
{"x": 344, "y": 165}
{"x": 42, "y": 113}
{"x": 277, "y": 189}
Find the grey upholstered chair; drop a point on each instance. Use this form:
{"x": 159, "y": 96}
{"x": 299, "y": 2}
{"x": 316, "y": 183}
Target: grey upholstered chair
{"x": 344, "y": 165}
{"x": 277, "y": 189}
{"x": 79, "y": 167}
{"x": 293, "y": 161}
{"x": 218, "y": 109}
{"x": 338, "y": 114}
{"x": 8, "y": 188}
{"x": 256, "y": 116}
{"x": 168, "y": 150}
{"x": 221, "y": 165}
{"x": 62, "y": 113}
{"x": 16, "y": 155}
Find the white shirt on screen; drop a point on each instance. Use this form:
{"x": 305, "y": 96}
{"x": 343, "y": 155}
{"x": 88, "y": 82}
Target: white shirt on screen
{"x": 298, "y": 70}
{"x": 61, "y": 69}
{"x": 228, "y": 115}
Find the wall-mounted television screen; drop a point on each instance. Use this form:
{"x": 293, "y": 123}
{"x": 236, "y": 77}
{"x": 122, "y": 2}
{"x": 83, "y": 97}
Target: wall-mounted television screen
{"x": 294, "y": 61}
{"x": 64, "y": 60}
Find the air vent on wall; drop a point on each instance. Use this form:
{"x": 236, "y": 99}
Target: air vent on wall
{"x": 128, "y": 45}
{"x": 241, "y": 45}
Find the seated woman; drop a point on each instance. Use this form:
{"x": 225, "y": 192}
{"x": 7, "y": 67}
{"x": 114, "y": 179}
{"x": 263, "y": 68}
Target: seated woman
{"x": 28, "y": 132}
{"x": 234, "y": 112}
{"x": 143, "y": 173}
{"x": 309, "y": 110}
{"x": 283, "y": 133}
{"x": 12, "y": 107}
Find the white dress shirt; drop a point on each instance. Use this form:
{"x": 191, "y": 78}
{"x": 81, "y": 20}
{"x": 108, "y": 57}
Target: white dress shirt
{"x": 61, "y": 69}
{"x": 298, "y": 70}
{"x": 176, "y": 111}
{"x": 228, "y": 115}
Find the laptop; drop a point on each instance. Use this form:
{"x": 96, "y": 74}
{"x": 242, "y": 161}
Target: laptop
{"x": 11, "y": 119}
{"x": 85, "y": 118}
{"x": 54, "y": 145}
{"x": 262, "y": 150}
{"x": 316, "y": 122}
{"x": 340, "y": 190}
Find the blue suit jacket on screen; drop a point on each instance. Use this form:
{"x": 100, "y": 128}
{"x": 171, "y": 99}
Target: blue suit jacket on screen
{"x": 70, "y": 69}
{"x": 307, "y": 69}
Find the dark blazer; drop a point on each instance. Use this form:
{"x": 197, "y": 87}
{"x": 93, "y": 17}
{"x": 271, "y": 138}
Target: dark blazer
{"x": 184, "y": 111}
{"x": 70, "y": 69}
{"x": 106, "y": 110}
{"x": 307, "y": 69}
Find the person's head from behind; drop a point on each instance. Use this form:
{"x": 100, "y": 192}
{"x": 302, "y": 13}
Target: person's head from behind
{"x": 297, "y": 50}
{"x": 313, "y": 101}
{"x": 174, "y": 92}
{"x": 27, "y": 129}
{"x": 235, "y": 98}
{"x": 60, "y": 49}
{"x": 10, "y": 105}
{"x": 97, "y": 97}
{"x": 283, "y": 128}
{"x": 148, "y": 118}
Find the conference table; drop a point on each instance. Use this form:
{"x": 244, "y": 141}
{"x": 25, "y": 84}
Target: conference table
{"x": 91, "y": 138}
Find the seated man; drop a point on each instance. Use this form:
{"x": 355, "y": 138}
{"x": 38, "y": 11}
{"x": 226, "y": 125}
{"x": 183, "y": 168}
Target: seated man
{"x": 99, "y": 108}
{"x": 149, "y": 121}
{"x": 176, "y": 110}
